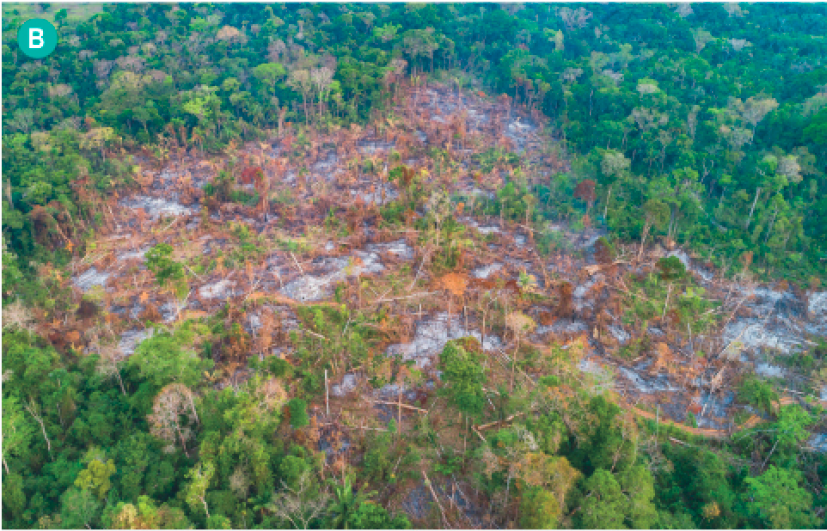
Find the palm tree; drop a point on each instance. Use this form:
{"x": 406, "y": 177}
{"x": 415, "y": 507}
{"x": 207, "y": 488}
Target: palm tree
{"x": 346, "y": 502}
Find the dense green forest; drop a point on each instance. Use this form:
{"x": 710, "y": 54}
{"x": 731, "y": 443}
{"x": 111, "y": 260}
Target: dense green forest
{"x": 705, "y": 124}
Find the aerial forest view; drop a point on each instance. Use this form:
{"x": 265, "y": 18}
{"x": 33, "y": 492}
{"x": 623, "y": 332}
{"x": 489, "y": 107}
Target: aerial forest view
{"x": 415, "y": 266}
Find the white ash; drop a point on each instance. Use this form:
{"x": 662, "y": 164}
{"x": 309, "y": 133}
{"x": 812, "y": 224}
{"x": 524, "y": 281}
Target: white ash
{"x": 644, "y": 385}
{"x": 518, "y": 132}
{"x": 432, "y": 334}
{"x": 690, "y": 265}
{"x": 619, "y": 333}
{"x": 308, "y": 288}
{"x": 593, "y": 367}
{"x": 817, "y": 328}
{"x": 581, "y": 290}
{"x": 656, "y": 332}
{"x": 817, "y": 305}
{"x": 132, "y": 338}
{"x": 254, "y": 321}
{"x": 590, "y": 241}
{"x": 757, "y": 335}
{"x": 488, "y": 230}
{"x": 169, "y": 175}
{"x": 377, "y": 145}
{"x": 370, "y": 264}
{"x": 818, "y": 442}
{"x": 769, "y": 371}
{"x": 391, "y": 391}
{"x": 314, "y": 288}
{"x": 217, "y": 290}
{"x": 156, "y": 206}
{"x": 136, "y": 311}
{"x": 91, "y": 278}
{"x": 477, "y": 116}
{"x": 682, "y": 256}
{"x": 348, "y": 385}
{"x": 376, "y": 196}
{"x": 563, "y": 325}
{"x": 399, "y": 248}
{"x": 705, "y": 275}
{"x": 767, "y": 299}
{"x": 289, "y": 324}
{"x": 714, "y": 407}
{"x": 486, "y": 271}
{"x": 279, "y": 352}
{"x": 327, "y": 164}
{"x": 132, "y": 255}
{"x": 170, "y": 310}
{"x": 603, "y": 378}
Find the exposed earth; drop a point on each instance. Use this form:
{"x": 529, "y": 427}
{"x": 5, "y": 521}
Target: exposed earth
{"x": 318, "y": 186}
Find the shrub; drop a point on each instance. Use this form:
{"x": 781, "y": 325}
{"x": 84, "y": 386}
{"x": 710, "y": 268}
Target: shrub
{"x": 298, "y": 413}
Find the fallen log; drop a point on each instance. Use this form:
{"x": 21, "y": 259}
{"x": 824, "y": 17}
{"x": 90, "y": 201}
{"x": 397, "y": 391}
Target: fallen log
{"x": 496, "y": 423}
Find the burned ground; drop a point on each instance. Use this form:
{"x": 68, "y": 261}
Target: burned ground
{"x": 316, "y": 230}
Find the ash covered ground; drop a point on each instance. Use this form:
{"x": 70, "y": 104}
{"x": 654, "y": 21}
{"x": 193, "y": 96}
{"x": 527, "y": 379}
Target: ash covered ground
{"x": 316, "y": 186}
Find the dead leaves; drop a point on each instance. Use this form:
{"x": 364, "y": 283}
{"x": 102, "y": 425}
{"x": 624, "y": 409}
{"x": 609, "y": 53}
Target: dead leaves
{"x": 663, "y": 359}
{"x": 455, "y": 283}
{"x": 193, "y": 314}
{"x": 72, "y": 338}
{"x": 144, "y": 178}
{"x": 520, "y": 323}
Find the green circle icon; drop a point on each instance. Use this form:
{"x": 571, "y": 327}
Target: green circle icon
{"x": 37, "y": 38}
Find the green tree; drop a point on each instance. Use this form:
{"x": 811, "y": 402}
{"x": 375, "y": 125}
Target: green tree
{"x": 539, "y": 509}
{"x": 776, "y": 500}
{"x": 638, "y": 486}
{"x": 146, "y": 515}
{"x": 17, "y": 431}
{"x": 160, "y": 262}
{"x": 196, "y": 490}
{"x": 161, "y": 359}
{"x": 79, "y": 509}
{"x": 656, "y": 213}
{"x": 369, "y": 515}
{"x": 758, "y": 394}
{"x": 604, "y": 506}
{"x": 298, "y": 413}
{"x": 219, "y": 521}
{"x": 14, "y": 496}
{"x": 96, "y": 477}
{"x": 346, "y": 504}
{"x": 464, "y": 376}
